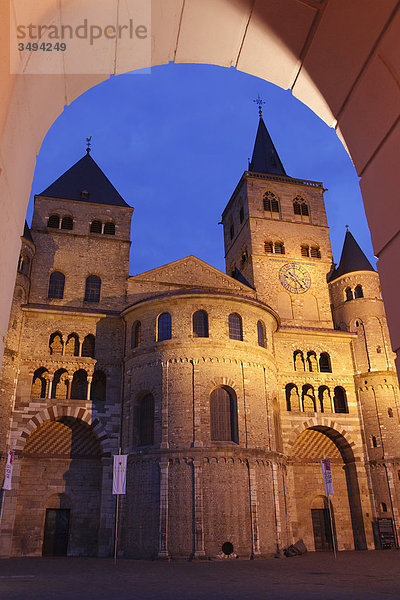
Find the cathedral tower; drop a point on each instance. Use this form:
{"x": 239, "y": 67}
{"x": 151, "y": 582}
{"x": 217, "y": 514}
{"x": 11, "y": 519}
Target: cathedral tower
{"x": 276, "y": 231}
{"x": 358, "y": 307}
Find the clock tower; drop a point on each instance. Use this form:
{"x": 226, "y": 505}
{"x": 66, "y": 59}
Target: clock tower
{"x": 276, "y": 238}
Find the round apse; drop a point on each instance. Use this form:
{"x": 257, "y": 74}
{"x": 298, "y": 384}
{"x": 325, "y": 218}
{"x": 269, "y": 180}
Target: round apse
{"x": 227, "y": 548}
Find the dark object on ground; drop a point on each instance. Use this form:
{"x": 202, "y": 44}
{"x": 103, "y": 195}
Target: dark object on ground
{"x": 296, "y": 549}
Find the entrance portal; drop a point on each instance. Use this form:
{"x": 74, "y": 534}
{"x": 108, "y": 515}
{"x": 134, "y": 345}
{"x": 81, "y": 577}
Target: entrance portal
{"x": 56, "y": 532}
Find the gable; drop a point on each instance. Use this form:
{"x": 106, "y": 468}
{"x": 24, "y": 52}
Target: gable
{"x": 191, "y": 272}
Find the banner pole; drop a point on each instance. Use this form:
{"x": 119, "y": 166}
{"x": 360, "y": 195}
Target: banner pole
{"x": 116, "y": 524}
{"x": 331, "y": 524}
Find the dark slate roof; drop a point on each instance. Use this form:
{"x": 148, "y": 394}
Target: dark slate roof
{"x": 27, "y": 233}
{"x": 352, "y": 259}
{"x": 265, "y": 157}
{"x": 85, "y": 175}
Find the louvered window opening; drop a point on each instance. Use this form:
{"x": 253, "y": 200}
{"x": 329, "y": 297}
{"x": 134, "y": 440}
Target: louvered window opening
{"x": 109, "y": 228}
{"x": 271, "y": 202}
{"x": 223, "y": 416}
{"x": 300, "y": 207}
{"x": 95, "y": 227}
{"x": 315, "y": 252}
{"x": 67, "y": 223}
{"x": 305, "y": 251}
{"x": 235, "y": 327}
{"x": 268, "y": 247}
{"x": 53, "y": 222}
{"x": 279, "y": 248}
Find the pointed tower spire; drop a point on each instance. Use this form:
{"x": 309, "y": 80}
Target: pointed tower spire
{"x": 352, "y": 258}
{"x": 265, "y": 157}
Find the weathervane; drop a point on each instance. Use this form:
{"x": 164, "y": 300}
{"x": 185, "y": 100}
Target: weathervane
{"x": 88, "y": 144}
{"x": 260, "y": 102}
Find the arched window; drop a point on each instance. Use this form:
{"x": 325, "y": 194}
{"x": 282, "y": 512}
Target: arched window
{"x": 56, "y": 285}
{"x": 340, "y": 400}
{"x": 315, "y": 252}
{"x": 88, "y": 346}
{"x": 53, "y": 221}
{"x": 67, "y": 223}
{"x": 164, "y": 330}
{"x": 96, "y": 226}
{"x": 268, "y": 247}
{"x": 325, "y": 363}
{"x": 312, "y": 362}
{"x": 20, "y": 263}
{"x": 305, "y": 250}
{"x": 235, "y": 327}
{"x": 146, "y": 421}
{"x": 383, "y": 507}
{"x": 244, "y": 256}
{"x": 349, "y": 294}
{"x": 261, "y": 337}
{"x": 279, "y": 248}
{"x": 85, "y": 195}
{"x": 223, "y": 415}
{"x": 72, "y": 345}
{"x": 79, "y": 385}
{"x": 55, "y": 343}
{"x": 109, "y": 228}
{"x": 232, "y": 231}
{"x": 98, "y": 387}
{"x": 374, "y": 442}
{"x": 271, "y": 202}
{"x": 390, "y": 413}
{"x": 60, "y": 385}
{"x": 298, "y": 360}
{"x": 292, "y": 397}
{"x": 136, "y": 334}
{"x": 358, "y": 292}
{"x": 300, "y": 207}
{"x": 40, "y": 383}
{"x": 92, "y": 289}
{"x": 200, "y": 324}
{"x": 308, "y": 398}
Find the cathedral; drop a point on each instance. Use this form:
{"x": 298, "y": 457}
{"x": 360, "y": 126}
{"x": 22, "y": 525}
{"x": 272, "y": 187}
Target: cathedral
{"x": 225, "y": 390}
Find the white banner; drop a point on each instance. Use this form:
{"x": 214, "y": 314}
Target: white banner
{"x": 327, "y": 475}
{"x": 9, "y": 470}
{"x": 119, "y": 474}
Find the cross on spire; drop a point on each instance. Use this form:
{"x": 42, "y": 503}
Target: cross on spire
{"x": 260, "y": 102}
{"x": 88, "y": 142}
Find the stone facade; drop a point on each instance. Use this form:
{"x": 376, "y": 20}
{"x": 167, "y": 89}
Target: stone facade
{"x": 224, "y": 391}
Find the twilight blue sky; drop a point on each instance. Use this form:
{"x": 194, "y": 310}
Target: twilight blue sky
{"x": 175, "y": 143}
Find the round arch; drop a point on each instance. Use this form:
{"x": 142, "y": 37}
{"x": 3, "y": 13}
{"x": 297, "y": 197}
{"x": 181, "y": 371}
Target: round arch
{"x": 340, "y": 89}
{"x": 55, "y": 413}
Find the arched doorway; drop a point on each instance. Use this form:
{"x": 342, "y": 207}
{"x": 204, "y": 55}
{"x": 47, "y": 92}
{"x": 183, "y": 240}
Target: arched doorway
{"x": 58, "y": 502}
{"x": 310, "y": 506}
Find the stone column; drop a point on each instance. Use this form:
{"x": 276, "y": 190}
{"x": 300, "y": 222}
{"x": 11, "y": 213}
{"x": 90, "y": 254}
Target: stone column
{"x": 89, "y": 385}
{"x": 164, "y": 406}
{"x": 277, "y": 510}
{"x": 255, "y": 537}
{"x": 70, "y": 378}
{"x": 163, "y": 531}
{"x": 198, "y": 516}
{"x": 197, "y": 443}
{"x": 50, "y": 386}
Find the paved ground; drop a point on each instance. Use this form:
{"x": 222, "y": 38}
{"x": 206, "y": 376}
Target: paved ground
{"x": 354, "y": 575}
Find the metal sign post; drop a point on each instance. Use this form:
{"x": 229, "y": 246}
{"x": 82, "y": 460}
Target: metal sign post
{"x": 119, "y": 489}
{"x": 328, "y": 485}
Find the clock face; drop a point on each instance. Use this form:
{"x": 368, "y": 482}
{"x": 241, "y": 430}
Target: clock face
{"x": 294, "y": 278}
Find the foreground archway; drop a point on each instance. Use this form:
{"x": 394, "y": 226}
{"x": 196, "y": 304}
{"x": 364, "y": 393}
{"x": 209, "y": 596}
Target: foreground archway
{"x": 309, "y": 516}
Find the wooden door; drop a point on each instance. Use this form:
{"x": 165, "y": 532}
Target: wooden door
{"x": 322, "y": 529}
{"x": 56, "y": 530}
